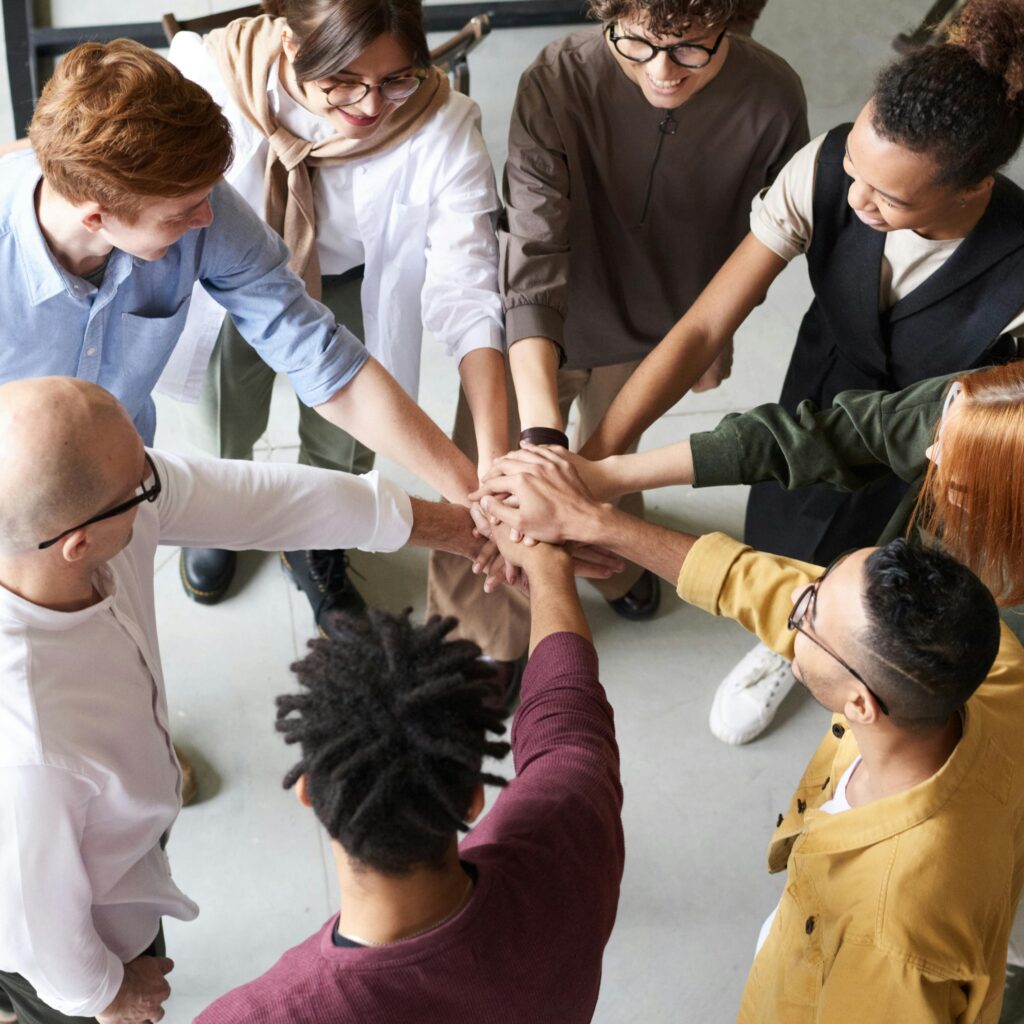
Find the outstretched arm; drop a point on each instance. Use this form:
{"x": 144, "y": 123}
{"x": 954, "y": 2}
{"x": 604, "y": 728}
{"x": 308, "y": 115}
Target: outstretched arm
{"x": 863, "y": 434}
{"x": 682, "y": 356}
{"x": 482, "y": 373}
{"x": 374, "y": 409}
{"x": 554, "y": 603}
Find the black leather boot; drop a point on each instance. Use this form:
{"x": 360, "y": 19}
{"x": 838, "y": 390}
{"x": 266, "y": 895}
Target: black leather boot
{"x": 323, "y": 577}
{"x": 206, "y": 573}
{"x": 642, "y": 599}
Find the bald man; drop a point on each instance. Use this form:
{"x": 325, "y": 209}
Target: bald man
{"x": 89, "y": 783}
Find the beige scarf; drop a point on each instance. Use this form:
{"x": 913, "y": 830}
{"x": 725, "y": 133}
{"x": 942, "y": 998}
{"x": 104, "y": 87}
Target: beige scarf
{"x": 247, "y": 51}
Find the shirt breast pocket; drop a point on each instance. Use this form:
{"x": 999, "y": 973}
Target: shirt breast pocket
{"x": 149, "y": 338}
{"x": 409, "y": 234}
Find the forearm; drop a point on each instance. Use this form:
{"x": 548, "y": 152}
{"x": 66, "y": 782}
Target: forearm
{"x": 534, "y": 366}
{"x": 662, "y": 467}
{"x": 665, "y": 375}
{"x": 376, "y": 411}
{"x": 657, "y": 548}
{"x": 554, "y": 603}
{"x": 482, "y": 373}
{"x": 682, "y": 356}
{"x": 442, "y": 527}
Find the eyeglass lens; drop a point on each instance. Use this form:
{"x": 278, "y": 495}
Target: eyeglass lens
{"x": 687, "y": 55}
{"x": 393, "y": 90}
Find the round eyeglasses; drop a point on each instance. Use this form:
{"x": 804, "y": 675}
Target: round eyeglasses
{"x": 394, "y": 90}
{"x": 686, "y": 55}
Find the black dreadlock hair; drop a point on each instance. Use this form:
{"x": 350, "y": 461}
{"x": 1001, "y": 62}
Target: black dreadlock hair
{"x": 393, "y": 722}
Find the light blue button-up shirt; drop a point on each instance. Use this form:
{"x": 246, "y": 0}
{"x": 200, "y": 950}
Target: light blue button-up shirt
{"x": 121, "y": 334}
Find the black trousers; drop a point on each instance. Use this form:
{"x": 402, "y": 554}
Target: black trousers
{"x": 816, "y": 524}
{"x": 22, "y": 998}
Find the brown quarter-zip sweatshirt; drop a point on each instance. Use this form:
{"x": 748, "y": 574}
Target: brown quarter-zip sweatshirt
{"x": 618, "y": 213}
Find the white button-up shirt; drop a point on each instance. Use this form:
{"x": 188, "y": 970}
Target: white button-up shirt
{"x": 89, "y": 782}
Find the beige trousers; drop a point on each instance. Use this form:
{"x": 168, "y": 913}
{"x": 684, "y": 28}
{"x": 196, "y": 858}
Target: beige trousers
{"x": 500, "y": 622}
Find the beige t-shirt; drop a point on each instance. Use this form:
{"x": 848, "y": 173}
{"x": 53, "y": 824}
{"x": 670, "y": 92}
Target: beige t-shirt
{"x": 781, "y": 218}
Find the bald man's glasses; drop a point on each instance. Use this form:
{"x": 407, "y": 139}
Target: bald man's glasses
{"x": 144, "y": 493}
{"x": 805, "y": 603}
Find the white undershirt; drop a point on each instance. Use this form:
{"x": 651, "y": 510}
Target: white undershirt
{"x": 782, "y": 218}
{"x": 836, "y": 805}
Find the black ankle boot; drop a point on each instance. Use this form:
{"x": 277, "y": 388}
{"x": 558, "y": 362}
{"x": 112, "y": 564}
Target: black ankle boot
{"x": 323, "y": 577}
{"x": 206, "y": 573}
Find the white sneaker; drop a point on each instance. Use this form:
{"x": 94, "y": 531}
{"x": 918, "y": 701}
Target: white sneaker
{"x": 748, "y": 697}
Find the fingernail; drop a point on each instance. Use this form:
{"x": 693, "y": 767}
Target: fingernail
{"x": 485, "y": 503}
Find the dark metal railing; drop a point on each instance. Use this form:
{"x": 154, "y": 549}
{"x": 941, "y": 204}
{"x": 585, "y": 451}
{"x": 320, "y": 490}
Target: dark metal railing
{"x": 29, "y": 44}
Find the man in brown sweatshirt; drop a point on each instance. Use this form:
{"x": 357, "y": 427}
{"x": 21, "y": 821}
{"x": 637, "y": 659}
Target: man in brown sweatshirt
{"x": 635, "y": 149}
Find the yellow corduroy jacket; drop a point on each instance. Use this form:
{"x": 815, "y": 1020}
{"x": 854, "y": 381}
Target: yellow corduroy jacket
{"x": 899, "y": 910}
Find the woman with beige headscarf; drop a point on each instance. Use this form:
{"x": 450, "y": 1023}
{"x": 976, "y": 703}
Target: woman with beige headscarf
{"x": 374, "y": 172}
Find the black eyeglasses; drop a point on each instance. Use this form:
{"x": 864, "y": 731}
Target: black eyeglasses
{"x": 804, "y": 603}
{"x": 144, "y": 493}
{"x": 394, "y": 90}
{"x": 686, "y": 55}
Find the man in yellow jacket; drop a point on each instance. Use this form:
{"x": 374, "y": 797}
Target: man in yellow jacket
{"x": 904, "y": 841}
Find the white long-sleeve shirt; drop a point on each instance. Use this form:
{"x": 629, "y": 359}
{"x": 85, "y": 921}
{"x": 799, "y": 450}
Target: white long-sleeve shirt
{"x": 88, "y": 777}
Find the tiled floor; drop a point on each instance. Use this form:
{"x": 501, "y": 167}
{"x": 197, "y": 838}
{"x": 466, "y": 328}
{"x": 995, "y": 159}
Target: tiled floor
{"x": 697, "y": 814}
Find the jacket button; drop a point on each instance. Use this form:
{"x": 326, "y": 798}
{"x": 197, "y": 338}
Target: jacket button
{"x": 800, "y": 807}
{"x": 809, "y": 925}
{"x": 837, "y": 731}
{"x": 778, "y": 824}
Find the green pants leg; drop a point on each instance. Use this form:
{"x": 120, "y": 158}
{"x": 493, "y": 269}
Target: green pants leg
{"x": 234, "y": 406}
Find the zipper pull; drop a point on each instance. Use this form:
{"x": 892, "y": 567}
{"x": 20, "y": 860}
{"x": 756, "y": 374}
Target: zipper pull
{"x": 668, "y": 125}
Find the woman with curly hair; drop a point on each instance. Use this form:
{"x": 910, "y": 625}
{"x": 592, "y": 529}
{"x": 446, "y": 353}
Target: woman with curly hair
{"x": 915, "y": 250}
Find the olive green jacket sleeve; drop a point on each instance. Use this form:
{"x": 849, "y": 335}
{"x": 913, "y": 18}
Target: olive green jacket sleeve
{"x": 864, "y": 435}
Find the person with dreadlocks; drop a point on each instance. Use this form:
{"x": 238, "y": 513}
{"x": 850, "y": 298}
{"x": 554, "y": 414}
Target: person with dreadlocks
{"x": 394, "y": 721}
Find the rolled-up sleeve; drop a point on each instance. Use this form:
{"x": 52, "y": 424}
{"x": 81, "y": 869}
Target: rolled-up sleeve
{"x": 534, "y": 239}
{"x": 46, "y": 896}
{"x": 244, "y": 267}
{"x": 782, "y": 216}
{"x": 461, "y": 304}
{"x": 727, "y": 578}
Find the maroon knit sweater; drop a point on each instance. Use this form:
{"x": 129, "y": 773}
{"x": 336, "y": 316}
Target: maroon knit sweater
{"x": 549, "y": 855}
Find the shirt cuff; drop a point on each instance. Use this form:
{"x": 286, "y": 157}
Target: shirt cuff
{"x": 344, "y": 357}
{"x": 394, "y": 516}
{"x": 98, "y": 1001}
{"x": 486, "y": 334}
{"x": 705, "y": 570}
{"x": 716, "y": 457}
{"x": 535, "y": 321}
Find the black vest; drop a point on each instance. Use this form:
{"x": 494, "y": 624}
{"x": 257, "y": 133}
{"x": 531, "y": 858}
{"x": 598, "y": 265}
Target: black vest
{"x": 951, "y": 321}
